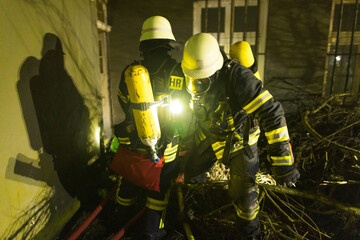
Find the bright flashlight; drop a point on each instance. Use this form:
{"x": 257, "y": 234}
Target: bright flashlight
{"x": 176, "y": 107}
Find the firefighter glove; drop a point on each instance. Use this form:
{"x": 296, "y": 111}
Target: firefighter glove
{"x": 287, "y": 179}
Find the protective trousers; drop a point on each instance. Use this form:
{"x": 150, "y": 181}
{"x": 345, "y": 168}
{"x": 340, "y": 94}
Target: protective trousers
{"x": 243, "y": 188}
{"x": 156, "y": 202}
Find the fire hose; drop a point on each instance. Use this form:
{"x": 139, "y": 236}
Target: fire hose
{"x": 93, "y": 214}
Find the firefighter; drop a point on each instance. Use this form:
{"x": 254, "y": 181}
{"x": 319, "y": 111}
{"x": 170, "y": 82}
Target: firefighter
{"x": 167, "y": 87}
{"x": 231, "y": 105}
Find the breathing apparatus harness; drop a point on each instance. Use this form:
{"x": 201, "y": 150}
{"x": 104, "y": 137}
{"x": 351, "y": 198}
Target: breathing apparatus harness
{"x": 243, "y": 122}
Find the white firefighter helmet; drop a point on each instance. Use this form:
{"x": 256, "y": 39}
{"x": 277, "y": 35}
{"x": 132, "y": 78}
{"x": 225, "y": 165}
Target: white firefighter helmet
{"x": 202, "y": 56}
{"x": 156, "y": 27}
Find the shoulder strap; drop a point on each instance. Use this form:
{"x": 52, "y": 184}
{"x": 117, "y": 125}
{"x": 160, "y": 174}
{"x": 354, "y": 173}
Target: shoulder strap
{"x": 231, "y": 66}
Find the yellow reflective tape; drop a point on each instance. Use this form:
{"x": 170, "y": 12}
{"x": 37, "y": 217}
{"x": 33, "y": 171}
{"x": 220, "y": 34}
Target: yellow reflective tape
{"x": 125, "y": 201}
{"x": 161, "y": 225}
{"x": 257, "y": 102}
{"x": 276, "y": 131}
{"x": 199, "y": 137}
{"x": 231, "y": 124}
{"x": 218, "y": 147}
{"x": 219, "y": 151}
{"x": 257, "y": 132}
{"x": 247, "y": 216}
{"x": 125, "y": 141}
{"x": 122, "y": 97}
{"x": 140, "y": 150}
{"x": 163, "y": 214}
{"x": 278, "y": 135}
{"x": 237, "y": 136}
{"x": 118, "y": 186}
{"x": 154, "y": 207}
{"x": 156, "y": 201}
{"x": 282, "y": 139}
{"x": 281, "y": 160}
{"x": 220, "y": 104}
{"x": 170, "y": 150}
{"x": 168, "y": 153}
{"x": 215, "y": 146}
{"x": 219, "y": 154}
{"x": 170, "y": 158}
{"x": 253, "y": 139}
{"x": 176, "y": 82}
{"x": 231, "y": 120}
{"x": 157, "y": 205}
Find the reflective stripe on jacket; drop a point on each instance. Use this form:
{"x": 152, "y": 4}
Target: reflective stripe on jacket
{"x": 244, "y": 92}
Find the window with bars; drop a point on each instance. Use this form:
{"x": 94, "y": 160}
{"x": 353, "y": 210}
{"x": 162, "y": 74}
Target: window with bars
{"x": 103, "y": 29}
{"x": 230, "y": 21}
{"x": 343, "y": 53}
{"x": 347, "y": 19}
{"x": 210, "y": 20}
{"x": 246, "y": 19}
{"x": 341, "y": 69}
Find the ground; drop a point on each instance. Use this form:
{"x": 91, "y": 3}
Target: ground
{"x": 324, "y": 205}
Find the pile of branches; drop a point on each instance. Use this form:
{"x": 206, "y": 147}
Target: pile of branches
{"x": 324, "y": 205}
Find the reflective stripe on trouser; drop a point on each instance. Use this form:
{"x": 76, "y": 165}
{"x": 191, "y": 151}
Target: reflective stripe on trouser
{"x": 126, "y": 193}
{"x": 247, "y": 207}
{"x": 125, "y": 199}
{"x": 243, "y": 188}
{"x": 156, "y": 212}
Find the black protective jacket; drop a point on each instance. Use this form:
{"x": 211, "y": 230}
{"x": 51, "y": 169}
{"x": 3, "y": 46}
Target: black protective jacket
{"x": 235, "y": 96}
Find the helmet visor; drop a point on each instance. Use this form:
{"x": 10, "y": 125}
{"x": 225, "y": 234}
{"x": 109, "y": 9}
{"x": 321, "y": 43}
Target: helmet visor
{"x": 197, "y": 86}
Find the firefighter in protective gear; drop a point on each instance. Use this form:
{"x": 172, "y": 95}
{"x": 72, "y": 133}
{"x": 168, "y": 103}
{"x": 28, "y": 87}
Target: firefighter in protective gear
{"x": 168, "y": 85}
{"x": 230, "y": 104}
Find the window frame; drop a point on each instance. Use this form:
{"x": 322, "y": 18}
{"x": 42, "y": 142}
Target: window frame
{"x": 342, "y": 38}
{"x": 257, "y": 39}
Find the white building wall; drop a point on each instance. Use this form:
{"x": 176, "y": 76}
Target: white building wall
{"x": 34, "y": 201}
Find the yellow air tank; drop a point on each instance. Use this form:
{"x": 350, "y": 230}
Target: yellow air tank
{"x": 241, "y": 51}
{"x": 141, "y": 97}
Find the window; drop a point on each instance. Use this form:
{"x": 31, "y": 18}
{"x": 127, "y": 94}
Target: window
{"x": 347, "y": 20}
{"x": 342, "y": 69}
{"x": 209, "y": 22}
{"x": 230, "y": 21}
{"x": 246, "y": 19}
{"x": 101, "y": 57}
{"x": 103, "y": 30}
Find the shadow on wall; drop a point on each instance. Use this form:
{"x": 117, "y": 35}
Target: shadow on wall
{"x": 58, "y": 126}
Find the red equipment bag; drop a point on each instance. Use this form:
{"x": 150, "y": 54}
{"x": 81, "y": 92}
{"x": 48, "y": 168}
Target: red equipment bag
{"x": 137, "y": 168}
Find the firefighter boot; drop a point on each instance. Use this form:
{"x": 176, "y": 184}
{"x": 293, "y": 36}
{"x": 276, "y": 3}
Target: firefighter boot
{"x": 249, "y": 230}
{"x": 153, "y": 225}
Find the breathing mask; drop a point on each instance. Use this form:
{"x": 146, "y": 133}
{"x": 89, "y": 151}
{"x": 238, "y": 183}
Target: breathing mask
{"x": 197, "y": 87}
